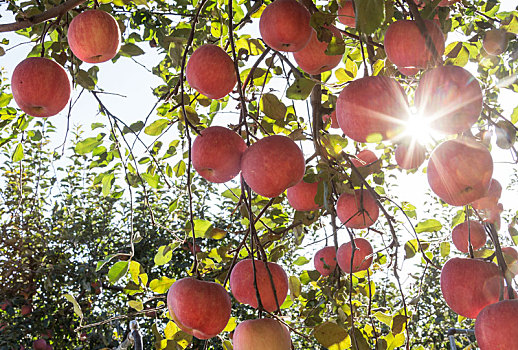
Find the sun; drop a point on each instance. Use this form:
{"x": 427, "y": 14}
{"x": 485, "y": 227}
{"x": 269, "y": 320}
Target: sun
{"x": 418, "y": 128}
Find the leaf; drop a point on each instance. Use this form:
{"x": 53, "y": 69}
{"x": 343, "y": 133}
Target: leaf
{"x": 272, "y": 107}
{"x": 152, "y": 180}
{"x": 231, "y": 325}
{"x": 107, "y": 184}
{"x": 384, "y": 318}
{"x": 170, "y": 330}
{"x": 300, "y": 89}
{"x": 179, "y": 168}
{"x": 87, "y": 145}
{"x": 5, "y": 99}
{"x": 445, "y": 249}
{"x": 130, "y": 49}
{"x": 136, "y": 304}
{"x": 77, "y": 308}
{"x": 133, "y": 128}
{"x": 117, "y": 271}
{"x": 412, "y": 247}
{"x": 101, "y": 263}
{"x": 398, "y": 324}
{"x": 430, "y": 225}
{"x": 202, "y": 228}
{"x": 18, "y": 153}
{"x": 161, "y": 285}
{"x": 301, "y": 261}
{"x": 330, "y": 334}
{"x": 294, "y": 286}
{"x": 164, "y": 255}
{"x": 156, "y": 127}
{"x": 369, "y": 15}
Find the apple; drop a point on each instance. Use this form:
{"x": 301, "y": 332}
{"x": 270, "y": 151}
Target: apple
{"x": 410, "y": 155}
{"x": 312, "y": 59}
{"x": 26, "y": 310}
{"x": 495, "y": 41}
{"x": 261, "y": 334}
{"x": 364, "y": 158}
{"x": 472, "y": 229}
{"x": 511, "y": 259}
{"x": 332, "y": 116}
{"x": 496, "y": 327}
{"x": 490, "y": 200}
{"x": 325, "y": 260}
{"x": 346, "y": 14}
{"x": 302, "y": 196}
{"x": 362, "y": 259}
{"x": 40, "y": 344}
{"x": 367, "y": 119}
{"x": 469, "y": 285}
{"x": 272, "y": 164}
{"x": 94, "y": 36}
{"x": 243, "y": 287}
{"x": 459, "y": 171}
{"x": 216, "y": 154}
{"x": 450, "y": 98}
{"x": 211, "y": 71}
{"x": 40, "y": 87}
{"x": 358, "y": 209}
{"x": 406, "y": 47}
{"x": 505, "y": 134}
{"x": 199, "y": 308}
{"x": 284, "y": 25}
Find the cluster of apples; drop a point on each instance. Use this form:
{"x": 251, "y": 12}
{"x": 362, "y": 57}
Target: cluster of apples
{"x": 41, "y": 87}
{"x": 190, "y": 302}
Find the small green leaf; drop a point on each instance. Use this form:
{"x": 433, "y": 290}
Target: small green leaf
{"x": 18, "y": 153}
{"x": 87, "y": 145}
{"x": 136, "y": 304}
{"x": 133, "y": 128}
{"x": 129, "y": 50}
{"x": 107, "y": 184}
{"x": 430, "y": 225}
{"x": 101, "y": 263}
{"x": 118, "y": 270}
{"x": 301, "y": 261}
{"x": 369, "y": 15}
{"x": 77, "y": 308}
{"x": 294, "y": 286}
{"x": 179, "y": 168}
{"x": 156, "y": 127}
{"x": 152, "y": 180}
{"x": 300, "y": 89}
{"x": 5, "y": 99}
{"x": 445, "y": 249}
{"x": 330, "y": 334}
{"x": 398, "y": 324}
{"x": 272, "y": 107}
{"x": 164, "y": 255}
{"x": 161, "y": 285}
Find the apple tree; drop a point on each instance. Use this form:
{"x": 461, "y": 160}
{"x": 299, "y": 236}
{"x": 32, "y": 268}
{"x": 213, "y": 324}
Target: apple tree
{"x": 310, "y": 175}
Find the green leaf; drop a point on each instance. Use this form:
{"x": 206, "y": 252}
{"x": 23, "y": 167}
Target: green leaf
{"x": 152, "y": 180}
{"x": 179, "y": 168}
{"x": 300, "y": 89}
{"x": 301, "y": 261}
{"x": 18, "y": 153}
{"x": 133, "y": 128}
{"x": 294, "y": 286}
{"x": 430, "y": 225}
{"x": 330, "y": 334}
{"x": 202, "y": 228}
{"x": 77, "y": 308}
{"x": 164, "y": 255}
{"x": 412, "y": 247}
{"x": 161, "y": 285}
{"x": 129, "y": 50}
{"x": 445, "y": 249}
{"x": 5, "y": 99}
{"x": 101, "y": 263}
{"x": 384, "y": 318}
{"x": 514, "y": 115}
{"x": 118, "y": 270}
{"x": 136, "y": 304}
{"x": 369, "y": 15}
{"x": 156, "y": 127}
{"x": 398, "y": 324}
{"x": 87, "y": 145}
{"x": 107, "y": 184}
{"x": 272, "y": 107}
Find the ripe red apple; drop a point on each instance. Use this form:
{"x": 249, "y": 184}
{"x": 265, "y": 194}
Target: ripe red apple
{"x": 496, "y": 327}
{"x": 406, "y": 47}
{"x": 199, "y": 308}
{"x": 284, "y": 25}
{"x": 26, "y": 310}
{"x": 495, "y": 41}
{"x": 362, "y": 259}
{"x": 242, "y": 284}
{"x": 357, "y": 210}
{"x": 211, "y": 71}
{"x": 325, "y": 260}
{"x": 491, "y": 198}
{"x": 459, "y": 171}
{"x": 94, "y": 36}
{"x": 472, "y": 229}
{"x": 273, "y": 164}
{"x": 302, "y": 196}
{"x": 367, "y": 119}
{"x": 40, "y": 344}
{"x": 450, "y": 97}
{"x": 216, "y": 154}
{"x": 261, "y": 334}
{"x": 410, "y": 155}
{"x": 364, "y": 158}
{"x": 469, "y": 285}
{"x": 312, "y": 59}
{"x": 40, "y": 87}
{"x": 511, "y": 259}
{"x": 346, "y": 14}
{"x": 332, "y": 116}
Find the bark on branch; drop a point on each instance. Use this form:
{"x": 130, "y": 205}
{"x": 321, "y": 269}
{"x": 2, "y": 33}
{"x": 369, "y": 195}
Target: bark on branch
{"x": 42, "y": 17}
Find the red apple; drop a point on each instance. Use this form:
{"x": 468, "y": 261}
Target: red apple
{"x": 362, "y": 259}
{"x": 216, "y": 154}
{"x": 496, "y": 327}
{"x": 302, "y": 196}
{"x": 325, "y": 260}
{"x": 5, "y": 304}
{"x": 410, "y": 155}
{"x": 346, "y": 14}
{"x": 357, "y": 210}
{"x": 261, "y": 334}
{"x": 511, "y": 259}
{"x": 459, "y": 171}
{"x": 94, "y": 36}
{"x": 406, "y": 47}
{"x": 312, "y": 59}
{"x": 211, "y": 71}
{"x": 273, "y": 164}
{"x": 199, "y": 308}
{"x": 450, "y": 98}
{"x": 495, "y": 42}
{"x": 472, "y": 229}
{"x": 40, "y": 87}
{"x": 490, "y": 200}
{"x": 332, "y": 116}
{"x": 26, "y": 310}
{"x": 469, "y": 285}
{"x": 40, "y": 344}
{"x": 364, "y": 158}
{"x": 284, "y": 25}
{"x": 367, "y": 119}
{"x": 243, "y": 289}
